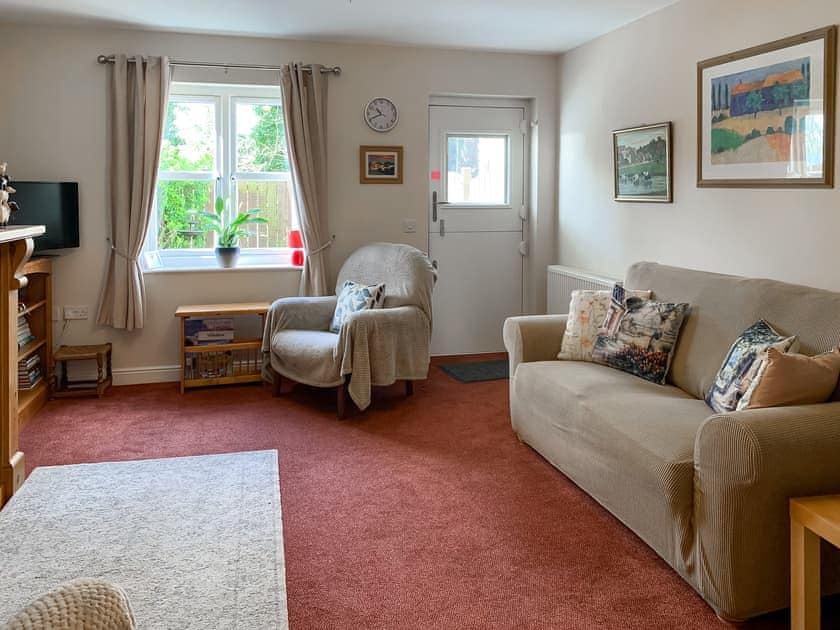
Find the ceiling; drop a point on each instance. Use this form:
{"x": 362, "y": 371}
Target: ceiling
{"x": 547, "y": 26}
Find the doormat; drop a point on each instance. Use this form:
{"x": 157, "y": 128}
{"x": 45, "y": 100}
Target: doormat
{"x": 477, "y": 371}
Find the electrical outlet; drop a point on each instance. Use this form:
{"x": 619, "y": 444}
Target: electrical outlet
{"x": 76, "y": 312}
{"x": 409, "y": 226}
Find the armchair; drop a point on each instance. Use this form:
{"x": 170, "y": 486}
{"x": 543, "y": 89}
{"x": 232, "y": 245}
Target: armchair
{"x": 373, "y": 347}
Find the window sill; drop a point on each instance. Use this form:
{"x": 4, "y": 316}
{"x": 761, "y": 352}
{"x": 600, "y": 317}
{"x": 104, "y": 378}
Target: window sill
{"x": 204, "y": 260}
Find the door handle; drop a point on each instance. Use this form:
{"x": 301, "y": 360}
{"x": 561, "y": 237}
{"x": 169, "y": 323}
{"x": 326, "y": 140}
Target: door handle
{"x": 435, "y": 205}
{"x": 442, "y": 227}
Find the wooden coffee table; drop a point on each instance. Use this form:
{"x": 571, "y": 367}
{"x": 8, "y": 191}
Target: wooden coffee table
{"x": 811, "y": 519}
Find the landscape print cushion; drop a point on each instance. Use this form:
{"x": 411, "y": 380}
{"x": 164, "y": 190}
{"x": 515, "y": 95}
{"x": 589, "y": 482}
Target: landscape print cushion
{"x": 355, "y": 297}
{"x": 638, "y": 336}
{"x": 744, "y": 363}
{"x": 587, "y": 311}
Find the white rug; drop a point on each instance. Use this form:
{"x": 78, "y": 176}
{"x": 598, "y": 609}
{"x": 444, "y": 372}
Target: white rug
{"x": 196, "y": 542}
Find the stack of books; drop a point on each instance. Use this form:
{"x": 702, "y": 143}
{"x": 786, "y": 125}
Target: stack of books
{"x": 24, "y": 334}
{"x": 206, "y": 332}
{"x": 29, "y": 372}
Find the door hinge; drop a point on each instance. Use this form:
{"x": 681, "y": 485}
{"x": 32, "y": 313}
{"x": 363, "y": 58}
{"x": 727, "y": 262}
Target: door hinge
{"x": 523, "y": 213}
{"x": 523, "y": 126}
{"x": 523, "y": 248}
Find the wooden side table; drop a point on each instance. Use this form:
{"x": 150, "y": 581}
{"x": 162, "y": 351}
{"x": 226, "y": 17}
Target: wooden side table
{"x": 63, "y": 387}
{"x": 811, "y": 519}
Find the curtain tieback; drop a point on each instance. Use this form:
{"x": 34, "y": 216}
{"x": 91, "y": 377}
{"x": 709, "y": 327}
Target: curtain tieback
{"x": 322, "y": 247}
{"x": 124, "y": 255}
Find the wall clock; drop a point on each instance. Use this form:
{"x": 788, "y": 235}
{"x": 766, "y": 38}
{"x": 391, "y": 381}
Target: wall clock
{"x": 381, "y": 114}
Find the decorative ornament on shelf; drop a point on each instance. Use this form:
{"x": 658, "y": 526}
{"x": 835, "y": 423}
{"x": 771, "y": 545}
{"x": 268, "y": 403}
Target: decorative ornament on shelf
{"x": 6, "y": 206}
{"x": 296, "y": 244}
{"x": 381, "y": 114}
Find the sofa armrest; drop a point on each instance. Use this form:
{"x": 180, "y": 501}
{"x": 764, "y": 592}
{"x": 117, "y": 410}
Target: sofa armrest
{"x": 302, "y": 313}
{"x": 748, "y": 464}
{"x": 533, "y": 338}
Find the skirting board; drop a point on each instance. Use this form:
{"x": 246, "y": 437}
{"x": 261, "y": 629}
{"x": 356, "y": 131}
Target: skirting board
{"x": 151, "y": 374}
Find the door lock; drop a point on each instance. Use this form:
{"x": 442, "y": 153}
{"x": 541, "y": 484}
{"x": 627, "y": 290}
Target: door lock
{"x": 435, "y": 205}
{"x": 442, "y": 228}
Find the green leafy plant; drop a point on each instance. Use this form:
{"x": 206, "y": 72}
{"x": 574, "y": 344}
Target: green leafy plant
{"x": 231, "y": 230}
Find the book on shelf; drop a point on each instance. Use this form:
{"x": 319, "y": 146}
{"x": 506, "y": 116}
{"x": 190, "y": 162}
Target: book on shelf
{"x": 30, "y": 385}
{"x": 29, "y": 363}
{"x": 206, "y": 331}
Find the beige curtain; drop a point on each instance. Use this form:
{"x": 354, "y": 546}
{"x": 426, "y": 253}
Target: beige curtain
{"x": 305, "y": 116}
{"x": 137, "y": 108}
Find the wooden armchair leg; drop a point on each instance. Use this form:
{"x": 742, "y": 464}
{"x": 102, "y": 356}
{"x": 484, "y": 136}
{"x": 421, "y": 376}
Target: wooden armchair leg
{"x": 409, "y": 388}
{"x": 278, "y": 383}
{"x": 341, "y": 401}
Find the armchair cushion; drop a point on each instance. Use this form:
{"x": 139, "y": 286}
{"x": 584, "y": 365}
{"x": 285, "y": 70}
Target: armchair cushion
{"x": 354, "y": 297}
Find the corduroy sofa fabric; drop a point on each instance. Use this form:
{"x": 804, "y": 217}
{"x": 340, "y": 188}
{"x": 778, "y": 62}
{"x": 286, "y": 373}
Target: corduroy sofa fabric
{"x": 707, "y": 492}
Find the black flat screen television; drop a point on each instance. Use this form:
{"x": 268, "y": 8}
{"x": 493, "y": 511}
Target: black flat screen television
{"x": 52, "y": 204}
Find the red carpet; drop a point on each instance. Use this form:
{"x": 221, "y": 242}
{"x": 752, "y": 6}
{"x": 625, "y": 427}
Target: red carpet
{"x": 423, "y": 512}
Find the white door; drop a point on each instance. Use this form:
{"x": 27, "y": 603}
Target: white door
{"x": 477, "y": 207}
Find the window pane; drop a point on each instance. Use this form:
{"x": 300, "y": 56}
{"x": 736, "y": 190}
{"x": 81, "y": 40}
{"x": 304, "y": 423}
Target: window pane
{"x": 189, "y": 137}
{"x": 179, "y": 219}
{"x": 477, "y": 169}
{"x": 274, "y": 199}
{"x": 260, "y": 139}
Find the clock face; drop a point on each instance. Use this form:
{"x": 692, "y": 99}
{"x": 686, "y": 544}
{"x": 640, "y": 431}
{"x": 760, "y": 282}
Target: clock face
{"x": 381, "y": 114}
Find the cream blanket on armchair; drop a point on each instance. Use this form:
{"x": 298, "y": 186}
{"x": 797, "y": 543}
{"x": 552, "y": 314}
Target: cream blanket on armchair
{"x": 374, "y": 347}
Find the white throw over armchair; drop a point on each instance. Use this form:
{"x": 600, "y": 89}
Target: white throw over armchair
{"x": 374, "y": 347}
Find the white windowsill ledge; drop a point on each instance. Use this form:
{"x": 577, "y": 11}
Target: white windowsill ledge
{"x": 204, "y": 260}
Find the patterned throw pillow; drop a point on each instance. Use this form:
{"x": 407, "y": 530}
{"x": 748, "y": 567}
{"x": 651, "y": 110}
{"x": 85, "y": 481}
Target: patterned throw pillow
{"x": 587, "y": 311}
{"x": 745, "y": 362}
{"x": 356, "y": 297}
{"x": 638, "y": 336}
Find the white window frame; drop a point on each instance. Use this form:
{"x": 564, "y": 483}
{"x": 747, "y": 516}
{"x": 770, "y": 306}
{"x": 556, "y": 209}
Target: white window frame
{"x": 225, "y": 97}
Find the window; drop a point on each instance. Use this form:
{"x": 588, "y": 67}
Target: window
{"x": 221, "y": 141}
{"x": 477, "y": 167}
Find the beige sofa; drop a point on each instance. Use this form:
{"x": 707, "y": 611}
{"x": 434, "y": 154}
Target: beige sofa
{"x": 708, "y": 492}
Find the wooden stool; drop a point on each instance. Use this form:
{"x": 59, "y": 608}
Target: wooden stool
{"x": 63, "y": 387}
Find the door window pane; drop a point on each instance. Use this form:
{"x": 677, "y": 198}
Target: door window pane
{"x": 274, "y": 199}
{"x": 477, "y": 169}
{"x": 180, "y": 224}
{"x": 260, "y": 138}
{"x": 189, "y": 137}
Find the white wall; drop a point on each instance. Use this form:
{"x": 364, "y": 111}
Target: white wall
{"x": 52, "y": 127}
{"x": 646, "y": 73}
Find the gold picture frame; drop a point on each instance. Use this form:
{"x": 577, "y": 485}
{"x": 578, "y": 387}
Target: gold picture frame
{"x": 766, "y": 114}
{"x": 380, "y": 165}
{"x": 642, "y": 164}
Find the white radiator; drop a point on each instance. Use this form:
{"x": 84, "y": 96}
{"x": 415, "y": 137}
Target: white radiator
{"x": 563, "y": 280}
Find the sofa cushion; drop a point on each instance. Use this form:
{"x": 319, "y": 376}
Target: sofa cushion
{"x": 310, "y": 352}
{"x": 627, "y": 442}
{"x": 723, "y": 306}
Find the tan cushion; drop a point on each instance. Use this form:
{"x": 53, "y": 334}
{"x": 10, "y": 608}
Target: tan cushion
{"x": 796, "y": 379}
{"x": 587, "y": 311}
{"x": 723, "y": 306}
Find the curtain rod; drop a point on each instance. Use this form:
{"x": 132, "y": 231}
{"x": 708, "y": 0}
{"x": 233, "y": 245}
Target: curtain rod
{"x": 336, "y": 70}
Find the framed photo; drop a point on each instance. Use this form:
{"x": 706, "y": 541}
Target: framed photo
{"x": 765, "y": 115}
{"x": 642, "y": 163}
{"x": 380, "y": 165}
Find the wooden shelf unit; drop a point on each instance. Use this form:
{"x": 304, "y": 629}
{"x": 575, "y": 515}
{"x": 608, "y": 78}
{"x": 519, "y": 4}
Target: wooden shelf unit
{"x": 37, "y": 296}
{"x": 248, "y": 371}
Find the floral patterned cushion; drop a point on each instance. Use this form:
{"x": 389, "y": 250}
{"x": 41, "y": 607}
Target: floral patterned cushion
{"x": 355, "y": 297}
{"x": 638, "y": 336}
{"x": 587, "y": 311}
{"x": 744, "y": 364}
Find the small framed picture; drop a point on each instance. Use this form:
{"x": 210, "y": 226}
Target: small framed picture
{"x": 380, "y": 165}
{"x": 642, "y": 163}
{"x": 765, "y": 115}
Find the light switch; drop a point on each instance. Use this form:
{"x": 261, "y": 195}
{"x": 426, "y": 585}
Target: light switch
{"x": 409, "y": 226}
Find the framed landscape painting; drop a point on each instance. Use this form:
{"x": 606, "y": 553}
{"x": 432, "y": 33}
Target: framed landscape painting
{"x": 380, "y": 165}
{"x": 765, "y": 115}
{"x": 642, "y": 163}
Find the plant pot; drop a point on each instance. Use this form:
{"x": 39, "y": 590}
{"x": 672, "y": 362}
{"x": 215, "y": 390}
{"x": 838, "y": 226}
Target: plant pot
{"x": 227, "y": 256}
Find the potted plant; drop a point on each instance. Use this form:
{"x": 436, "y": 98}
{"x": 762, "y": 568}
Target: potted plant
{"x": 230, "y": 231}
